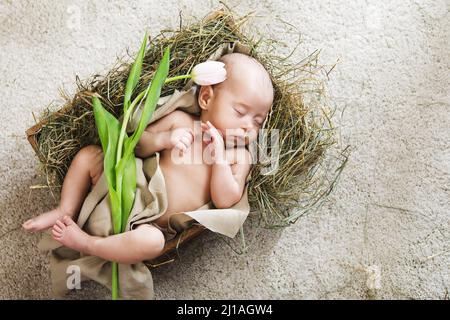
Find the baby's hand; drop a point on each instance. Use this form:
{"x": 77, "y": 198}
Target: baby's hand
{"x": 181, "y": 139}
{"x": 214, "y": 139}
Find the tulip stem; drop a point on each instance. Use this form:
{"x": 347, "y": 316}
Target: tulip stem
{"x": 185, "y": 76}
{"x": 115, "y": 282}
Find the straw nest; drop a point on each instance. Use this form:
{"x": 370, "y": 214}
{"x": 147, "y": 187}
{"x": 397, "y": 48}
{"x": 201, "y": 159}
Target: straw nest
{"x": 300, "y": 113}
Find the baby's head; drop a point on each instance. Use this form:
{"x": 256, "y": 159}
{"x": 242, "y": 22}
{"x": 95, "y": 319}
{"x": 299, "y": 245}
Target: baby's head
{"x": 238, "y": 106}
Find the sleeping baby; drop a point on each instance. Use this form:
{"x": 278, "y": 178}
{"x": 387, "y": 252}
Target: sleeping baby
{"x": 232, "y": 112}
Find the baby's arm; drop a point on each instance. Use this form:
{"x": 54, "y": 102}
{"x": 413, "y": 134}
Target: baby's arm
{"x": 230, "y": 169}
{"x": 228, "y": 180}
{"x": 157, "y": 136}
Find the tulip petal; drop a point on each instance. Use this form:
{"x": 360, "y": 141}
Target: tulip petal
{"x": 209, "y": 72}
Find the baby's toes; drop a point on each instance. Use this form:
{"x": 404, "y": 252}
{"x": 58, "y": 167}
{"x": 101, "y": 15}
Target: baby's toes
{"x": 57, "y": 228}
{"x": 56, "y": 234}
{"x": 67, "y": 221}
{"x": 60, "y": 224}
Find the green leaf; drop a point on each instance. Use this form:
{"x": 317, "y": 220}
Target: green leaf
{"x": 108, "y": 129}
{"x": 128, "y": 188}
{"x": 116, "y": 210}
{"x": 135, "y": 73}
{"x": 100, "y": 122}
{"x": 154, "y": 92}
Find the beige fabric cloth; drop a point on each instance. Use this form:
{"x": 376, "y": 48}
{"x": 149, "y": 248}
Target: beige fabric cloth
{"x": 135, "y": 281}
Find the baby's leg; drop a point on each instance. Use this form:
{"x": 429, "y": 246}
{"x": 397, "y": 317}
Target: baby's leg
{"x": 85, "y": 169}
{"x": 144, "y": 243}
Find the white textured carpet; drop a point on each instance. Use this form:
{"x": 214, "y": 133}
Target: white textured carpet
{"x": 390, "y": 210}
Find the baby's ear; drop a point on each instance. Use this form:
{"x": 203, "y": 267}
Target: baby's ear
{"x": 205, "y": 96}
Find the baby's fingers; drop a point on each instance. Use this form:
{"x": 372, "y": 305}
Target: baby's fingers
{"x": 210, "y": 125}
{"x": 189, "y": 137}
{"x": 213, "y": 130}
{"x": 207, "y": 136}
{"x": 186, "y": 144}
{"x": 204, "y": 126}
{"x": 180, "y": 147}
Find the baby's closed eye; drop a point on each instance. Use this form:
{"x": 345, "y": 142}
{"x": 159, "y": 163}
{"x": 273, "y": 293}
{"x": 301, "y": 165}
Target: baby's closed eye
{"x": 259, "y": 121}
{"x": 240, "y": 113}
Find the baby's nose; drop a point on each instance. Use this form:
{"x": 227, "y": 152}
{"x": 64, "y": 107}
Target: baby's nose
{"x": 247, "y": 126}
{"x": 245, "y": 130}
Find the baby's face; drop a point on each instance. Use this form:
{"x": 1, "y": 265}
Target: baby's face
{"x": 239, "y": 106}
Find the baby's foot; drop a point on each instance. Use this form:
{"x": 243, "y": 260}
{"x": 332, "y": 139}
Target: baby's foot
{"x": 43, "y": 221}
{"x": 68, "y": 233}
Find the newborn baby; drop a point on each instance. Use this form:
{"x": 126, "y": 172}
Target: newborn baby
{"x": 232, "y": 112}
